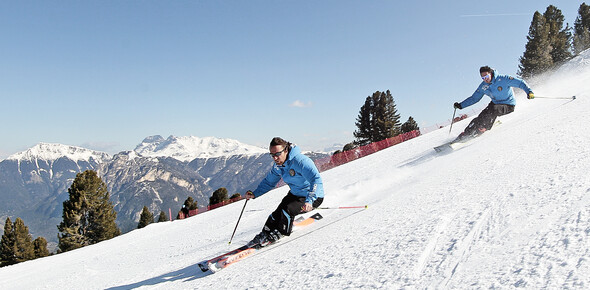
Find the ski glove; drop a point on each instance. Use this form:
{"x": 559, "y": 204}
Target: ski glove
{"x": 249, "y": 194}
{"x": 457, "y": 106}
{"x": 530, "y": 95}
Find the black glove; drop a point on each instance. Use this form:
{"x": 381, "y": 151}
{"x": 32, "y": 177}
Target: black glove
{"x": 457, "y": 106}
{"x": 530, "y": 95}
{"x": 249, "y": 194}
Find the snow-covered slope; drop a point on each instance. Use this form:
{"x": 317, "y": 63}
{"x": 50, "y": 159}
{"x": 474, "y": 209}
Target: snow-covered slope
{"x": 510, "y": 210}
{"x": 51, "y": 151}
{"x": 188, "y": 148}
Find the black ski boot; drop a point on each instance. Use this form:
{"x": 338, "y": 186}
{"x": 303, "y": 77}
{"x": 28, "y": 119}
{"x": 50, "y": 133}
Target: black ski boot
{"x": 265, "y": 238}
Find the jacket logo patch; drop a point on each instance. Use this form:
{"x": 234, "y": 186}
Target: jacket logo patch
{"x": 500, "y": 89}
{"x": 292, "y": 172}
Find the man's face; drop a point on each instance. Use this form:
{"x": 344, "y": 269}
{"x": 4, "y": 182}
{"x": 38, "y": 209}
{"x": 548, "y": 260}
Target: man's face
{"x": 278, "y": 154}
{"x": 486, "y": 77}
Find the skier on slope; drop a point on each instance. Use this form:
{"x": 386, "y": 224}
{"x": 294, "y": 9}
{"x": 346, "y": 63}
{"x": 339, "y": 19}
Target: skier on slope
{"x": 306, "y": 190}
{"x": 499, "y": 89}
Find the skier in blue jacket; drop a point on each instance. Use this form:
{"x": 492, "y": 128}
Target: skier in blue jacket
{"x": 306, "y": 190}
{"x": 499, "y": 88}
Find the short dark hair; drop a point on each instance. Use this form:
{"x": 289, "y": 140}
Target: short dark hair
{"x": 486, "y": 69}
{"x": 279, "y": 141}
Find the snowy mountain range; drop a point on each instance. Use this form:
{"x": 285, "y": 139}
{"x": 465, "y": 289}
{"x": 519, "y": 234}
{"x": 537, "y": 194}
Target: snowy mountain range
{"x": 52, "y": 152}
{"x": 510, "y": 210}
{"x": 191, "y": 147}
{"x": 160, "y": 174}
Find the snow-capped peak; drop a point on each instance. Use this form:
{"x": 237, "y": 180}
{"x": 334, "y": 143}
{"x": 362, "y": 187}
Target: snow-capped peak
{"x": 53, "y": 151}
{"x": 188, "y": 148}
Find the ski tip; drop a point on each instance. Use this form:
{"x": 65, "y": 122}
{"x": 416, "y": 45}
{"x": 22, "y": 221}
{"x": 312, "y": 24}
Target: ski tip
{"x": 443, "y": 148}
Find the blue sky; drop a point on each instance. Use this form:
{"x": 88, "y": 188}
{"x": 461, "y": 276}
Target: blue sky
{"x": 106, "y": 74}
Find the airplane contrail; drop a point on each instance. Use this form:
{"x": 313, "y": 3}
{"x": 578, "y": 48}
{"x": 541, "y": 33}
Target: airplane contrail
{"x": 494, "y": 15}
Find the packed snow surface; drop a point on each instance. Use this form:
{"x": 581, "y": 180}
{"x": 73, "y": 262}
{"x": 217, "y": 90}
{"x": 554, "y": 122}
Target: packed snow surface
{"x": 510, "y": 210}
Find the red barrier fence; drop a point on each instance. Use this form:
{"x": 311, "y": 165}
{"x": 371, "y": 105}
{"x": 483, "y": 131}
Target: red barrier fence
{"x": 184, "y": 214}
{"x": 214, "y": 206}
{"x": 362, "y": 151}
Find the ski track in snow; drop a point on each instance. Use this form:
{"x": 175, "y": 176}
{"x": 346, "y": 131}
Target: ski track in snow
{"x": 512, "y": 210}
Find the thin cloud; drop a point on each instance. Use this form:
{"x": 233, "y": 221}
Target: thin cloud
{"x": 300, "y": 104}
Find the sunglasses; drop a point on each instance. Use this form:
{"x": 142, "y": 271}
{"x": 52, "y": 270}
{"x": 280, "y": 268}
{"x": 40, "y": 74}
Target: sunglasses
{"x": 487, "y": 76}
{"x": 277, "y": 154}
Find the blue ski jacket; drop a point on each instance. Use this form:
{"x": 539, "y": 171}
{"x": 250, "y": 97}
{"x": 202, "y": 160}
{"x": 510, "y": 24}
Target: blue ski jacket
{"x": 500, "y": 90}
{"x": 299, "y": 172}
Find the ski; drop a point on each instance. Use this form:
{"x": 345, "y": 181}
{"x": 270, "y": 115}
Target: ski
{"x": 452, "y": 146}
{"x": 224, "y": 260}
{"x": 455, "y": 145}
{"x": 221, "y": 261}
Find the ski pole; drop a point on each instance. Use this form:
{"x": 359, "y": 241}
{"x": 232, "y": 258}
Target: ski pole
{"x": 343, "y": 207}
{"x": 452, "y": 120}
{"x": 557, "y": 98}
{"x": 232, "y": 235}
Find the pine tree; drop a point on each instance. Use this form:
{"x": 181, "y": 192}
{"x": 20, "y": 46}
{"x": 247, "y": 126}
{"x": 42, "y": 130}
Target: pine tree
{"x": 365, "y": 123}
{"x": 235, "y": 195}
{"x": 24, "y": 249}
{"x": 145, "y": 218}
{"x": 537, "y": 56}
{"x": 162, "y": 217}
{"x": 88, "y": 214}
{"x": 410, "y": 125}
{"x": 348, "y": 147}
{"x": 219, "y": 195}
{"x": 40, "y": 247}
{"x": 582, "y": 41}
{"x": 7, "y": 245}
{"x": 386, "y": 117}
{"x": 559, "y": 37}
{"x": 378, "y": 119}
{"x": 582, "y": 29}
{"x": 190, "y": 203}
{"x": 16, "y": 244}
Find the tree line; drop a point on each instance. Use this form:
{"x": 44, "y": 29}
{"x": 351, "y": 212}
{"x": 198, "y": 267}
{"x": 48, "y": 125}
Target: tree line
{"x": 220, "y": 195}
{"x": 550, "y": 44}
{"x": 17, "y": 245}
{"x": 88, "y": 218}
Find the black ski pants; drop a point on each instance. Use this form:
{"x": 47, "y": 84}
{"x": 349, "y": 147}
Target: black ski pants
{"x": 487, "y": 117}
{"x": 282, "y": 218}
